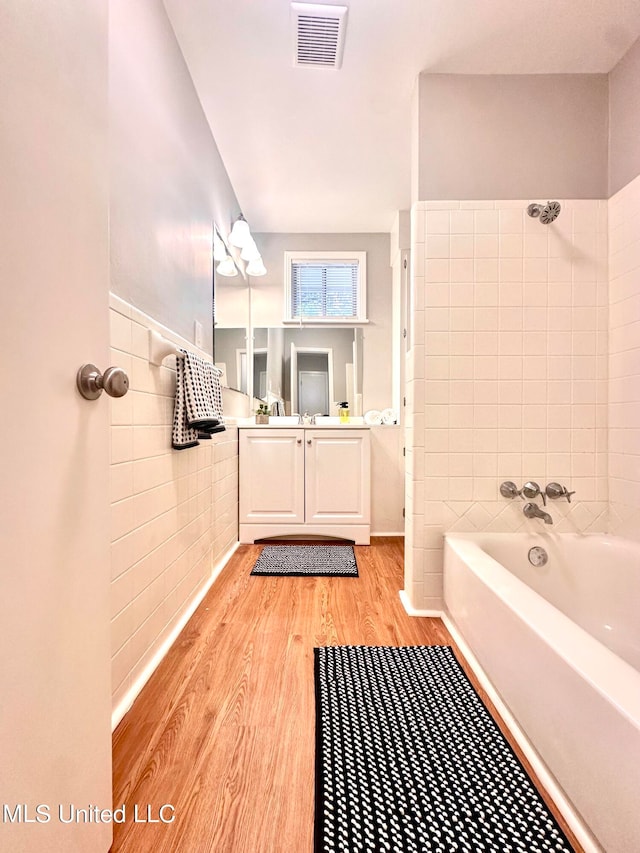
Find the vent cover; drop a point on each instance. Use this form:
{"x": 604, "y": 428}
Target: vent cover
{"x": 318, "y": 34}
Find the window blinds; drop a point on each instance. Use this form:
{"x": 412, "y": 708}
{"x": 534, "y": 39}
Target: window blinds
{"x": 324, "y": 289}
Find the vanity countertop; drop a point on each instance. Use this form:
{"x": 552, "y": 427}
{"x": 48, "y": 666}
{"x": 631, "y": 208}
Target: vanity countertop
{"x": 301, "y": 426}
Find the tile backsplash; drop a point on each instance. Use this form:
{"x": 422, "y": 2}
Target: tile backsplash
{"x": 507, "y": 374}
{"x": 173, "y": 513}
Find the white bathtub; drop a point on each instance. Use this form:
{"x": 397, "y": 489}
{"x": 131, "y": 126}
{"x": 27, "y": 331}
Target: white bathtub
{"x": 539, "y": 634}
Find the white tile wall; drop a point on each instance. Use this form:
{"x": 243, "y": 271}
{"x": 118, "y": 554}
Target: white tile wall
{"x": 624, "y": 360}
{"x": 173, "y": 513}
{"x": 507, "y": 375}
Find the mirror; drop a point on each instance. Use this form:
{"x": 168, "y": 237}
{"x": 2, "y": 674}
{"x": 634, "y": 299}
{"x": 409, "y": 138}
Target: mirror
{"x": 308, "y": 369}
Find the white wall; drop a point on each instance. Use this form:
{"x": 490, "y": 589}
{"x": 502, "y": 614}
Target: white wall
{"x": 387, "y": 480}
{"x": 507, "y": 375}
{"x": 174, "y": 514}
{"x": 624, "y": 360}
{"x": 167, "y": 181}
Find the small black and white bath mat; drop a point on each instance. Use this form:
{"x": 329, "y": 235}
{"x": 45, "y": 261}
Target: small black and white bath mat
{"x": 306, "y": 560}
{"x": 409, "y": 759}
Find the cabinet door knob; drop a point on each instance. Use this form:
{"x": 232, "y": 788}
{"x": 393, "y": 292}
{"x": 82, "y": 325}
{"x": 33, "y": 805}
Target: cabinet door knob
{"x": 308, "y": 441}
{"x": 298, "y": 441}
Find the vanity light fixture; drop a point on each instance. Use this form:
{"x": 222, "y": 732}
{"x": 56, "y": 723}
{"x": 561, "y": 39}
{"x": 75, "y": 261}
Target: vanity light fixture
{"x": 240, "y": 247}
{"x": 256, "y": 267}
{"x": 227, "y": 267}
{"x": 250, "y": 251}
{"x": 240, "y": 232}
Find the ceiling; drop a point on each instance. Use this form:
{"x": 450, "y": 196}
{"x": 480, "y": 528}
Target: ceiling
{"x": 317, "y": 149}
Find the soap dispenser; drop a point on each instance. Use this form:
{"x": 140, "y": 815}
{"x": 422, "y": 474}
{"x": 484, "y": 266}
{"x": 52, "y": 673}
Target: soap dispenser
{"x": 344, "y": 412}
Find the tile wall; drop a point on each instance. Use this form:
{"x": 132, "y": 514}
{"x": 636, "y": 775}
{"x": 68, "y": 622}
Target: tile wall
{"x": 173, "y": 513}
{"x": 624, "y": 360}
{"x": 506, "y": 375}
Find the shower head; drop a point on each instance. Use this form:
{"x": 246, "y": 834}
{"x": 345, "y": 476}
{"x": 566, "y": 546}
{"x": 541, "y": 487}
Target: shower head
{"x": 547, "y": 212}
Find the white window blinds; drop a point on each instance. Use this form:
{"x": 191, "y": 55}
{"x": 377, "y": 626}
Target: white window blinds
{"x": 325, "y": 289}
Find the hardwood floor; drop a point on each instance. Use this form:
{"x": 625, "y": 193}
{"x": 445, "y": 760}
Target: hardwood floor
{"x": 224, "y": 730}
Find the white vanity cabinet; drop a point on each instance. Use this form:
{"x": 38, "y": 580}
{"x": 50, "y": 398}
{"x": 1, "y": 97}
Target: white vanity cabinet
{"x": 305, "y": 481}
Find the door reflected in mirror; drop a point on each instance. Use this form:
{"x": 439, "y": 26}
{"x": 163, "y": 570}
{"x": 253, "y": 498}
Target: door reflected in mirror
{"x": 312, "y": 381}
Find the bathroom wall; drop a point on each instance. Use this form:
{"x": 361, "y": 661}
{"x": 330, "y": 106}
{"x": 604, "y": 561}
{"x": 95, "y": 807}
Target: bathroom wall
{"x": 174, "y": 514}
{"x": 167, "y": 181}
{"x": 517, "y": 136}
{"x": 624, "y": 360}
{"x": 624, "y": 120}
{"x": 507, "y": 374}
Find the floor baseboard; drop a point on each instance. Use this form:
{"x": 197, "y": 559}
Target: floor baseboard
{"x": 413, "y": 611}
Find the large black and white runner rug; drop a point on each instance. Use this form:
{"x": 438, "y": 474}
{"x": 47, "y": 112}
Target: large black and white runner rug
{"x": 408, "y": 758}
{"x": 306, "y": 560}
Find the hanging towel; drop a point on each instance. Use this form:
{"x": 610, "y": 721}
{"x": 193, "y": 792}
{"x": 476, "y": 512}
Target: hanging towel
{"x": 198, "y": 405}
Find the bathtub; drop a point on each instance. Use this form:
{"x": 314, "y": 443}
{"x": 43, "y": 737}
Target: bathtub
{"x": 560, "y": 644}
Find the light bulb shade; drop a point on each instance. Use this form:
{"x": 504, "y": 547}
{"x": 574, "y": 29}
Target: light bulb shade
{"x": 219, "y": 249}
{"x": 240, "y": 232}
{"x": 250, "y": 251}
{"x": 227, "y": 267}
{"x": 256, "y": 267}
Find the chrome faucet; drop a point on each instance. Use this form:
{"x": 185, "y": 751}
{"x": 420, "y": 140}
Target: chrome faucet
{"x": 532, "y": 510}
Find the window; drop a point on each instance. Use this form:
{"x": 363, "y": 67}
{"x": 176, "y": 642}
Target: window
{"x": 325, "y": 286}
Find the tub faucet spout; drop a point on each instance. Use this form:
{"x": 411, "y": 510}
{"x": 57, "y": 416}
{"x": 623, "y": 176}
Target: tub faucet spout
{"x": 532, "y": 510}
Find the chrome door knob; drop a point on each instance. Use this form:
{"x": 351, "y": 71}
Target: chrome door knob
{"x": 91, "y": 383}
{"x": 115, "y": 381}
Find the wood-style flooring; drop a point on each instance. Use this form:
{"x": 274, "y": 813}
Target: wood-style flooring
{"x": 224, "y": 731}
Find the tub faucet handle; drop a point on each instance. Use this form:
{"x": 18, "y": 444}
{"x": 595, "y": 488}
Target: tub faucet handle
{"x": 510, "y": 490}
{"x": 555, "y": 491}
{"x": 531, "y": 490}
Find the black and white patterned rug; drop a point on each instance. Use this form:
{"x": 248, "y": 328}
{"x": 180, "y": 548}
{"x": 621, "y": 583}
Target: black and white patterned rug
{"x": 306, "y": 560}
{"x": 408, "y": 758}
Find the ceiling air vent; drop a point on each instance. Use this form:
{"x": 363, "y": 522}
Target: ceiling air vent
{"x": 319, "y": 34}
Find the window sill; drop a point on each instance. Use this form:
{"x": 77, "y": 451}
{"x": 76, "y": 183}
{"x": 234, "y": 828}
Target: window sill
{"x": 326, "y": 321}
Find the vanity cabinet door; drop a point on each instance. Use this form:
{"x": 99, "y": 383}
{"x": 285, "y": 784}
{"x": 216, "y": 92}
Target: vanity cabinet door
{"x": 337, "y": 476}
{"x": 271, "y": 476}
